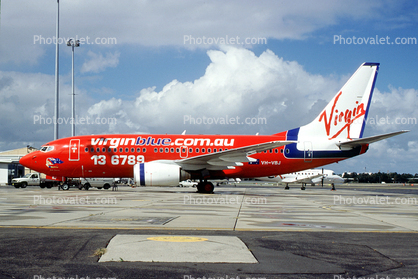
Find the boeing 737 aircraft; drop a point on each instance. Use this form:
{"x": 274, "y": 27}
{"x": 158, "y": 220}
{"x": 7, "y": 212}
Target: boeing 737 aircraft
{"x": 158, "y": 160}
{"x": 311, "y": 176}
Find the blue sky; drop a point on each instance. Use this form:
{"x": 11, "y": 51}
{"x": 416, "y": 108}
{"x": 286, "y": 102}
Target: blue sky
{"x": 150, "y": 79}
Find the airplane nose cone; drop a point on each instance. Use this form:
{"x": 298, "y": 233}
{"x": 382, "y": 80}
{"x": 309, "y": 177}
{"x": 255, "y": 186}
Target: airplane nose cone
{"x": 28, "y": 160}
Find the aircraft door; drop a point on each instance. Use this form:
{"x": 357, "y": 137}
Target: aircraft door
{"x": 308, "y": 152}
{"x": 74, "y": 150}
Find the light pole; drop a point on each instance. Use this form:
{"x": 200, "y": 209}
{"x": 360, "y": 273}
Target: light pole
{"x": 57, "y": 73}
{"x": 73, "y": 44}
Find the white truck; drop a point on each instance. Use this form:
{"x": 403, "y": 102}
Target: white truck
{"x": 33, "y": 179}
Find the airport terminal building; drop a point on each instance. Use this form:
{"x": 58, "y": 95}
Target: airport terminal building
{"x": 9, "y": 164}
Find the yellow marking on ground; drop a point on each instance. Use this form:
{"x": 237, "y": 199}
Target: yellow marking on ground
{"x": 177, "y": 238}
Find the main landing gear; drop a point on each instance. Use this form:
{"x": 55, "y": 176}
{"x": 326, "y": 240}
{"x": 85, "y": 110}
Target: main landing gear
{"x": 302, "y": 188}
{"x": 205, "y": 187}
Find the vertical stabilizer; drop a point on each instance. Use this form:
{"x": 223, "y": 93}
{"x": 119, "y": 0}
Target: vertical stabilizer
{"x": 344, "y": 117}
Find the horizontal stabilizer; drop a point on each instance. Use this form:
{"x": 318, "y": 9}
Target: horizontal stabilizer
{"x": 357, "y": 142}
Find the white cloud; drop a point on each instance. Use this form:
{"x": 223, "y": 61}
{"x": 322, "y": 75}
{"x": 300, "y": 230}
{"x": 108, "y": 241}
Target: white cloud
{"x": 99, "y": 63}
{"x": 393, "y": 110}
{"x": 237, "y": 83}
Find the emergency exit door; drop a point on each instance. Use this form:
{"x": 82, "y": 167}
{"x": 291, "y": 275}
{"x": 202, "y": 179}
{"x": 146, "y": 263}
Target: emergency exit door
{"x": 74, "y": 150}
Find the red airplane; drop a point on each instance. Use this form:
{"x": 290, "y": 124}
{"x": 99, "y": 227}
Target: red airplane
{"x": 161, "y": 160}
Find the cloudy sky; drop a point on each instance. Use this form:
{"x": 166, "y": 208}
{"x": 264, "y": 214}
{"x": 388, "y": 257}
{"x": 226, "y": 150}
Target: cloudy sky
{"x": 155, "y": 66}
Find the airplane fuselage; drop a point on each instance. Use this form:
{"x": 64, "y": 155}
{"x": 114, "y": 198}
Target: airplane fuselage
{"x": 115, "y": 155}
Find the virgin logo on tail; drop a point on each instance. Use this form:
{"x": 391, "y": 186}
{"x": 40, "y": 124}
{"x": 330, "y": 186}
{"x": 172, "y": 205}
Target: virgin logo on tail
{"x": 336, "y": 117}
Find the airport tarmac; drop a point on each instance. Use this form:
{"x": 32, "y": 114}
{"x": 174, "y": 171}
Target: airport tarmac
{"x": 243, "y": 231}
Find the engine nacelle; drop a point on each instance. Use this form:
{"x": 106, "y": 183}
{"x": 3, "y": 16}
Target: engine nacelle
{"x": 159, "y": 174}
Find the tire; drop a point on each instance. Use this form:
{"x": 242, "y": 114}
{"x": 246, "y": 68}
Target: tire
{"x": 205, "y": 187}
{"x": 87, "y": 186}
{"x": 106, "y": 186}
{"x": 17, "y": 186}
{"x": 23, "y": 185}
{"x": 65, "y": 187}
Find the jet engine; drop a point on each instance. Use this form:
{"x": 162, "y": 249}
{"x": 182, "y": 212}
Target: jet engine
{"x": 159, "y": 174}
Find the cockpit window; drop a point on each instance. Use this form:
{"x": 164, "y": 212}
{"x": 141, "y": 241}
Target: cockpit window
{"x": 47, "y": 148}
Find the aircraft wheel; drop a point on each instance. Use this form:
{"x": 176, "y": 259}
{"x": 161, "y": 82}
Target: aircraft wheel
{"x": 287, "y": 187}
{"x": 303, "y": 188}
{"x": 205, "y": 187}
{"x": 65, "y": 187}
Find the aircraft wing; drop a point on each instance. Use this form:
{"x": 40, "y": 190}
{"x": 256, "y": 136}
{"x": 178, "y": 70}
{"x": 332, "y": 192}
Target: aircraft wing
{"x": 228, "y": 159}
{"x": 357, "y": 142}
